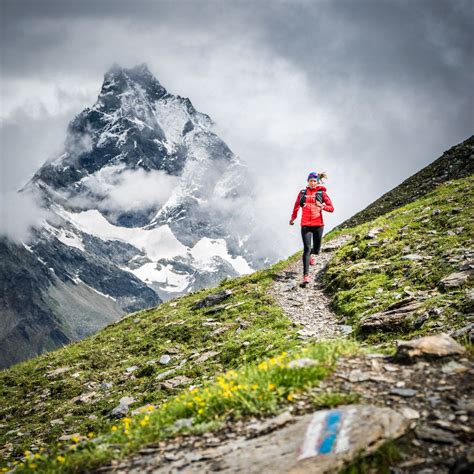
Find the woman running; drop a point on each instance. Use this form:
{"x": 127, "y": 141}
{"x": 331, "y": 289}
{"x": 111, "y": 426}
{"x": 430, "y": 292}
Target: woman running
{"x": 314, "y": 200}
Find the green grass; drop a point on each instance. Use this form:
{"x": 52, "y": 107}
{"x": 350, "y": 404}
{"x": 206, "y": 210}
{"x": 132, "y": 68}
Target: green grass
{"x": 255, "y": 389}
{"x": 365, "y": 279}
{"x": 241, "y": 335}
{"x": 379, "y": 462}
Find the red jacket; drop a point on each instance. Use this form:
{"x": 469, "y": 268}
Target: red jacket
{"x": 311, "y": 214}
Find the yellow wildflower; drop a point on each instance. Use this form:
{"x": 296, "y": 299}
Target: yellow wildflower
{"x": 114, "y": 428}
{"x": 271, "y": 386}
{"x": 61, "y": 458}
{"x": 90, "y": 435}
{"x": 74, "y": 439}
{"x": 37, "y": 456}
{"x": 289, "y": 397}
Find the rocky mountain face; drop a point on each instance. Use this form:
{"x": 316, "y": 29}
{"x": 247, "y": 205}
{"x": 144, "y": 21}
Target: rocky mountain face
{"x": 455, "y": 163}
{"x": 145, "y": 203}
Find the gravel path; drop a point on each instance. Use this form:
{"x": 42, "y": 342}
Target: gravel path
{"x": 309, "y": 306}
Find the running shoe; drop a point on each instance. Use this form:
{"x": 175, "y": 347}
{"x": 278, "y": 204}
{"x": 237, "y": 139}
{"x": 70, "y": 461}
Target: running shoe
{"x": 305, "y": 280}
{"x": 312, "y": 260}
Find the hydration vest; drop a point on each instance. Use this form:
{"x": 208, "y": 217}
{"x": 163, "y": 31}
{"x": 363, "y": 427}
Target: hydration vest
{"x": 318, "y": 196}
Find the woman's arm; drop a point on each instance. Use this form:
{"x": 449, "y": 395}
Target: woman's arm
{"x": 295, "y": 208}
{"x": 327, "y": 203}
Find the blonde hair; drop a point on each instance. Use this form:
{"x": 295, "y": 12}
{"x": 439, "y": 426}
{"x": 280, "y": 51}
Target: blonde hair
{"x": 323, "y": 175}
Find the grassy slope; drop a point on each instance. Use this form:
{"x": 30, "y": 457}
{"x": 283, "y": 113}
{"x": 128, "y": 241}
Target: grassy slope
{"x": 365, "y": 279}
{"x": 243, "y": 336}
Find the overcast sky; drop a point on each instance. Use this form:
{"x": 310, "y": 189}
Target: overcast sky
{"x": 368, "y": 90}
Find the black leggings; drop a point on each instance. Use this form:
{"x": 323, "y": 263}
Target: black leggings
{"x": 306, "y": 232}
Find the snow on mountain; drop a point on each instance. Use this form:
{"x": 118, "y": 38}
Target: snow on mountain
{"x": 145, "y": 203}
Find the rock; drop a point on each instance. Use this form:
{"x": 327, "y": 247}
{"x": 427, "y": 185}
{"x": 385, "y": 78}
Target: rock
{"x": 213, "y": 299}
{"x": 59, "y": 371}
{"x": 56, "y": 422}
{"x": 165, "y": 374}
{"x": 404, "y": 392}
{"x": 414, "y": 257}
{"x": 409, "y": 413}
{"x": 322, "y": 442}
{"x": 345, "y": 329}
{"x": 131, "y": 369}
{"x": 420, "y": 320}
{"x": 260, "y": 428}
{"x": 391, "y": 319}
{"x": 205, "y": 356}
{"x": 183, "y": 423}
{"x": 171, "y": 384}
{"x": 372, "y": 233}
{"x": 299, "y": 363}
{"x": 464, "y": 332}
{"x": 440, "y": 345}
{"x": 436, "y": 435}
{"x": 455, "y": 280}
{"x": 165, "y": 359}
{"x": 357, "y": 375}
{"x": 122, "y": 408}
{"x": 453, "y": 367}
{"x": 87, "y": 397}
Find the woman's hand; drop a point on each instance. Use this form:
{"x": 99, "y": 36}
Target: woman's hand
{"x": 320, "y": 204}
{"x": 292, "y": 222}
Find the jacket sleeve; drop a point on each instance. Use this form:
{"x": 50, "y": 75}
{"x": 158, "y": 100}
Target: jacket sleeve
{"x": 328, "y": 207}
{"x": 296, "y": 207}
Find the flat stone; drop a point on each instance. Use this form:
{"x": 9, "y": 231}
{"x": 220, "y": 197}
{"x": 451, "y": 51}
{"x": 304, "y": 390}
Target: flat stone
{"x": 357, "y": 375}
{"x": 266, "y": 426}
{"x": 213, "y": 299}
{"x": 409, "y": 413}
{"x": 122, "y": 408}
{"x": 403, "y": 392}
{"x": 440, "y": 345}
{"x": 56, "y": 372}
{"x": 175, "y": 382}
{"x": 205, "y": 356}
{"x": 165, "y": 359}
{"x": 455, "y": 280}
{"x": 165, "y": 374}
{"x": 436, "y": 435}
{"x": 453, "y": 367}
{"x": 318, "y": 443}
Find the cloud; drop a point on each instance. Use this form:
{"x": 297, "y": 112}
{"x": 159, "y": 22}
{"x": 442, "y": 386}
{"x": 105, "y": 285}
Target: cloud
{"x": 20, "y": 213}
{"x": 129, "y": 190}
{"x": 370, "y": 91}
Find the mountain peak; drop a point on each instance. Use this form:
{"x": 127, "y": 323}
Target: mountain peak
{"x": 119, "y": 78}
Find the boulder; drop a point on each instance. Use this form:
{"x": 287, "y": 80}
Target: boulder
{"x": 389, "y": 320}
{"x": 440, "y": 345}
{"x": 455, "y": 280}
{"x": 213, "y": 299}
{"x": 122, "y": 408}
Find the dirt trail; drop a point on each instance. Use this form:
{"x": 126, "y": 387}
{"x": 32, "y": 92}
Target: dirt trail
{"x": 309, "y": 306}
